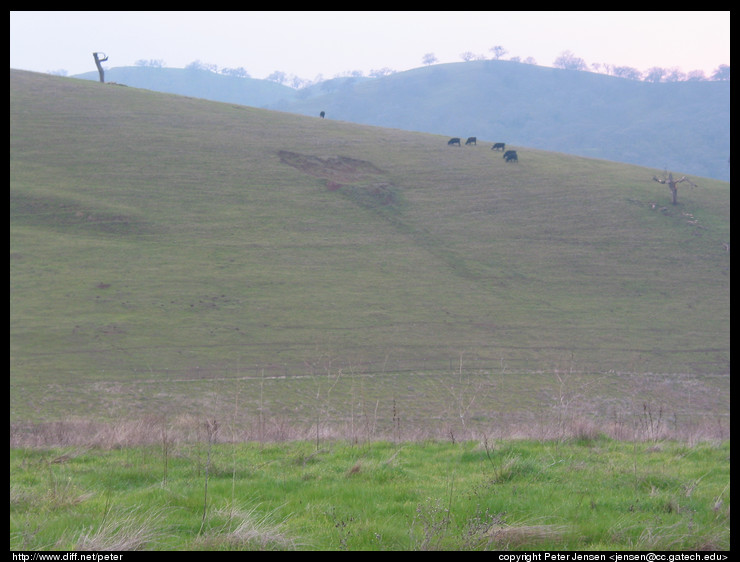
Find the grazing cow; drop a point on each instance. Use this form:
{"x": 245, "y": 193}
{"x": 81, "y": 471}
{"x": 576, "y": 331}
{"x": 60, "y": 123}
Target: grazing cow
{"x": 510, "y": 156}
{"x": 471, "y": 140}
{"x": 454, "y": 140}
{"x": 322, "y": 114}
{"x": 499, "y": 146}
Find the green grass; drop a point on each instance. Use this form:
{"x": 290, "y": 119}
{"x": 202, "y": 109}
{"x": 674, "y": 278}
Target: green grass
{"x": 594, "y": 494}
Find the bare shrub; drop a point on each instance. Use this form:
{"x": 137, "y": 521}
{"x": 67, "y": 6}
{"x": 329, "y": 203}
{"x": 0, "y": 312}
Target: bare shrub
{"x": 583, "y": 429}
{"x": 430, "y": 525}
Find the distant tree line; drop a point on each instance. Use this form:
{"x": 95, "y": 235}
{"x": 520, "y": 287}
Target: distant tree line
{"x": 569, "y": 61}
{"x": 566, "y": 60}
{"x": 154, "y": 63}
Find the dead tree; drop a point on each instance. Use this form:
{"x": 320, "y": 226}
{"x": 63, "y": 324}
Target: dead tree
{"x": 98, "y": 60}
{"x": 671, "y": 183}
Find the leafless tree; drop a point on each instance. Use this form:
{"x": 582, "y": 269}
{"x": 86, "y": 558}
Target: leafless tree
{"x": 626, "y": 72}
{"x": 654, "y": 74}
{"x": 100, "y": 58}
{"x": 722, "y": 72}
{"x": 498, "y": 51}
{"x": 696, "y": 76}
{"x": 568, "y": 61}
{"x": 429, "y": 58}
{"x": 674, "y": 75}
{"x": 278, "y": 76}
{"x": 672, "y": 183}
{"x": 380, "y": 72}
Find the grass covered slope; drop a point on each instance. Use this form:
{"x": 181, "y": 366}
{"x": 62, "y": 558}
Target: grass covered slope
{"x": 172, "y": 237}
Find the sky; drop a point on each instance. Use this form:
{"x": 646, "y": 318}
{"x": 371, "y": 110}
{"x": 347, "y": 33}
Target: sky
{"x": 313, "y": 45}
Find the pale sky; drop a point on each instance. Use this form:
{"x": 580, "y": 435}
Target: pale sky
{"x": 308, "y": 44}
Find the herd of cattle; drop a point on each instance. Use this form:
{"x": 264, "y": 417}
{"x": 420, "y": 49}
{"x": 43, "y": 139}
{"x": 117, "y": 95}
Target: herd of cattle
{"x": 509, "y": 155}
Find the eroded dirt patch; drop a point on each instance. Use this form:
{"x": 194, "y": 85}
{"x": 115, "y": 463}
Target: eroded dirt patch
{"x": 337, "y": 169}
{"x": 361, "y": 180}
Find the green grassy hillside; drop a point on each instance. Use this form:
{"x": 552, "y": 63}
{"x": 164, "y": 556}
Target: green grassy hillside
{"x": 162, "y": 237}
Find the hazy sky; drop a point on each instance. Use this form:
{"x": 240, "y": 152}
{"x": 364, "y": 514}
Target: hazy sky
{"x": 306, "y": 44}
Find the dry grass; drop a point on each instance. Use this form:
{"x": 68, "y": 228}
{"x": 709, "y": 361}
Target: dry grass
{"x": 674, "y": 536}
{"x": 507, "y": 537}
{"x": 128, "y": 530}
{"x": 151, "y": 430}
{"x": 247, "y": 528}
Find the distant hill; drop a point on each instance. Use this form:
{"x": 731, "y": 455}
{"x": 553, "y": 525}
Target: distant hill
{"x": 682, "y": 127}
{"x": 199, "y": 84}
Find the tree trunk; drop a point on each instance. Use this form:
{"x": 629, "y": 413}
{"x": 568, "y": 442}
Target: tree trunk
{"x": 672, "y": 184}
{"x": 100, "y": 66}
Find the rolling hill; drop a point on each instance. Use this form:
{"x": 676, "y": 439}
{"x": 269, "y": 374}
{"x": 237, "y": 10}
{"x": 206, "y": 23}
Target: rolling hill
{"x": 683, "y": 127}
{"x": 198, "y": 83}
{"x": 158, "y": 236}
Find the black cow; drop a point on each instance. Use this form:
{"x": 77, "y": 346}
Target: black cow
{"x": 510, "y": 156}
{"x": 453, "y": 141}
{"x": 499, "y": 146}
{"x": 471, "y": 140}
{"x": 322, "y": 114}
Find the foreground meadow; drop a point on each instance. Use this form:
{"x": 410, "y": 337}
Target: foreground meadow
{"x": 588, "y": 494}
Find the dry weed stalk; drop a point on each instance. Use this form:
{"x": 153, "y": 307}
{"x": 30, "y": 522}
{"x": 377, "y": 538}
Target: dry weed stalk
{"x": 211, "y": 427}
